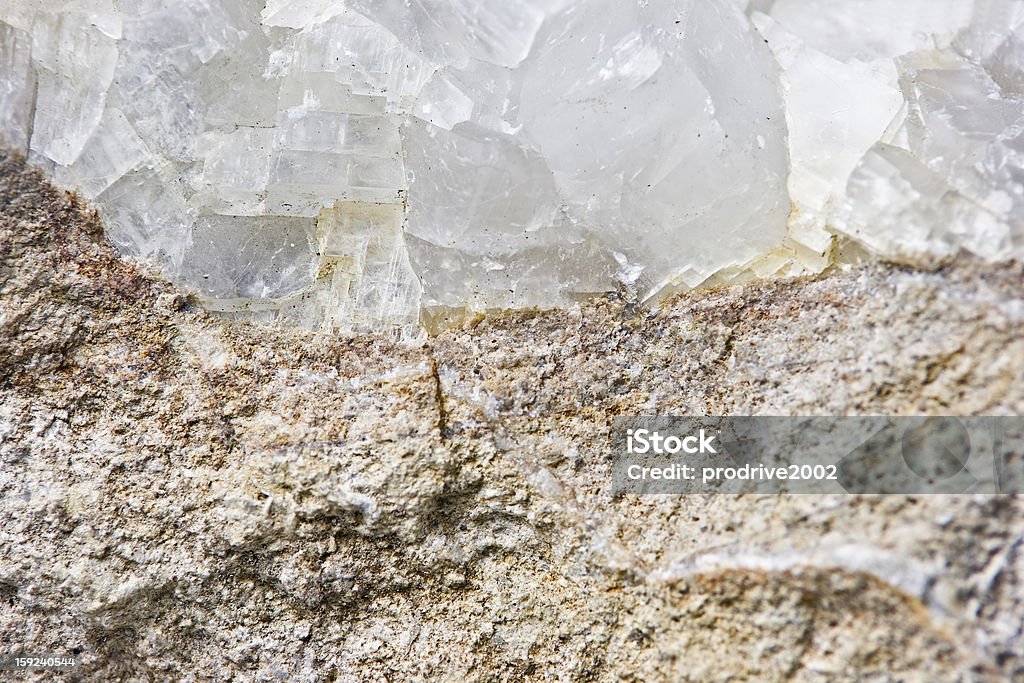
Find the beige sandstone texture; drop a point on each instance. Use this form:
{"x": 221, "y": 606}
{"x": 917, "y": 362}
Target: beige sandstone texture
{"x": 188, "y": 499}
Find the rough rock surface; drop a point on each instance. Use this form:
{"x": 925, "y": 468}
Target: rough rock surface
{"x": 185, "y": 498}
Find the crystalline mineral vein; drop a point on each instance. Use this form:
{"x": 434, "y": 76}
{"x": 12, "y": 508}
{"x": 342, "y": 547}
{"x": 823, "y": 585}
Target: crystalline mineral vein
{"x": 368, "y": 164}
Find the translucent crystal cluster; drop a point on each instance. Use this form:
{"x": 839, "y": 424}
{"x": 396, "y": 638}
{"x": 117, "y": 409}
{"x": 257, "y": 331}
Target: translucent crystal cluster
{"x": 378, "y": 164}
{"x": 906, "y": 123}
{"x": 269, "y": 154}
{"x": 253, "y": 150}
{"x": 562, "y": 145}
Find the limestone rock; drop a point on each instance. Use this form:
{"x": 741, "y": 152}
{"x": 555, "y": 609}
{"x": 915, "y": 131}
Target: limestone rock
{"x": 186, "y": 497}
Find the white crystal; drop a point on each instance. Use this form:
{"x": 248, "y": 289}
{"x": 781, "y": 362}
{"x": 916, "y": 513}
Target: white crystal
{"x": 866, "y": 30}
{"x": 836, "y": 111}
{"x": 108, "y": 155}
{"x": 958, "y": 154}
{"x": 74, "y": 55}
{"x": 17, "y": 87}
{"x": 279, "y": 251}
{"x": 371, "y": 163}
{"x": 904, "y": 120}
{"x": 534, "y": 158}
{"x": 145, "y": 210}
{"x": 536, "y": 168}
{"x": 235, "y": 171}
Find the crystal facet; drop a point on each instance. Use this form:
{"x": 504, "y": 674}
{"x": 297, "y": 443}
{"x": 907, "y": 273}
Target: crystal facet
{"x": 17, "y": 86}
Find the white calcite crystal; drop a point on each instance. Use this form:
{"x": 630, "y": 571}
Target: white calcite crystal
{"x": 17, "y": 86}
{"x": 380, "y": 164}
{"x": 253, "y": 151}
{"x": 561, "y": 146}
{"x": 905, "y": 123}
{"x": 349, "y": 164}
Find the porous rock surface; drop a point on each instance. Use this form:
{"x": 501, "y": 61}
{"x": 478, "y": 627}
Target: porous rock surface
{"x": 184, "y": 498}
